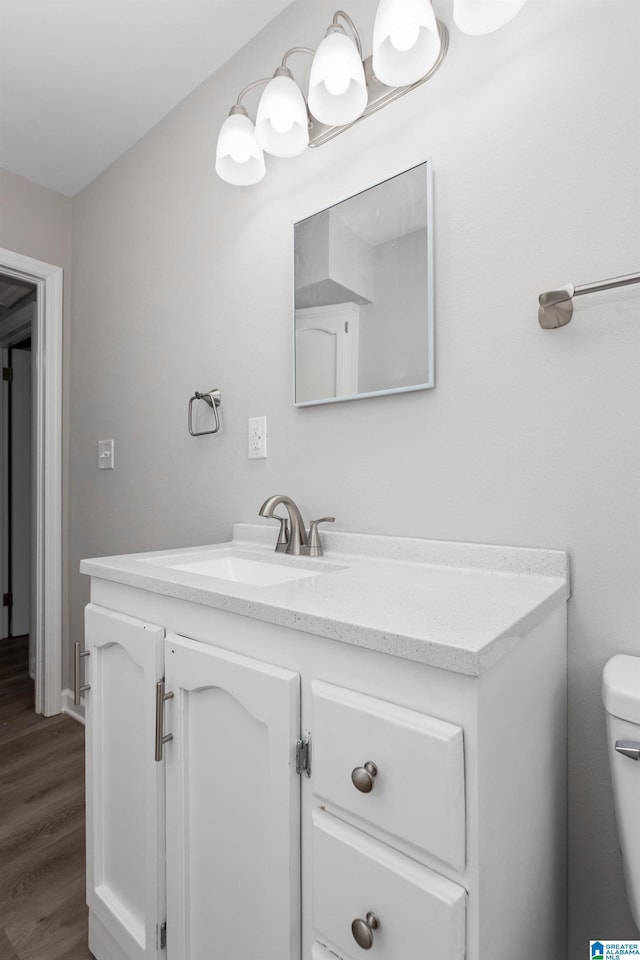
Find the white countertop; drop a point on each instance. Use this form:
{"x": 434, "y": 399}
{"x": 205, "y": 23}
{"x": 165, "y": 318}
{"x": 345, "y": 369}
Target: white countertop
{"x": 456, "y": 606}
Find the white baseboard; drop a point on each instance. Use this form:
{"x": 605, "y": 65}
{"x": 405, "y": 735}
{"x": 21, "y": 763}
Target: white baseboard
{"x": 69, "y": 707}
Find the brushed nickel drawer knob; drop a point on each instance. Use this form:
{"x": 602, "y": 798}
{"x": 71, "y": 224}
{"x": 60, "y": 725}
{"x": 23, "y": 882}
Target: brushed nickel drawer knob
{"x": 362, "y": 930}
{"x": 363, "y": 778}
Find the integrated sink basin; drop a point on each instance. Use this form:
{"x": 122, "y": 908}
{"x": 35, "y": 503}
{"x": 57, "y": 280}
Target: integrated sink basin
{"x": 255, "y": 572}
{"x": 228, "y": 565}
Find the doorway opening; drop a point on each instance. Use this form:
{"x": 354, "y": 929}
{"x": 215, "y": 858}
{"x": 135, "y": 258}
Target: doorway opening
{"x": 17, "y": 645}
{"x": 31, "y": 468}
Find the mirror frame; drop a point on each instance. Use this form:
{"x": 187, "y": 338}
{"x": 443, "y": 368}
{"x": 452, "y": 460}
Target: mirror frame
{"x": 429, "y": 305}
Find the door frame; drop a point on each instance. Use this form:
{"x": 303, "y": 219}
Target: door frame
{"x": 4, "y": 490}
{"x": 46, "y": 614}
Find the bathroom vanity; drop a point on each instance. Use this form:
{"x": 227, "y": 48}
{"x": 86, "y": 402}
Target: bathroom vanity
{"x": 291, "y": 758}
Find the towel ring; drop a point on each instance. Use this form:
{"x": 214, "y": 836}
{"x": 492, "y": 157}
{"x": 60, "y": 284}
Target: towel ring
{"x": 212, "y": 398}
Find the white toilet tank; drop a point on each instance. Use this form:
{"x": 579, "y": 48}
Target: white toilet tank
{"x": 621, "y": 697}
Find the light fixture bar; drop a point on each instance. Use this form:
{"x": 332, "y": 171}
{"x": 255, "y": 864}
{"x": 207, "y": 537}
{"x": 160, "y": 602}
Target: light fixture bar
{"x": 347, "y": 19}
{"x": 379, "y": 95}
{"x": 293, "y": 50}
{"x": 251, "y": 86}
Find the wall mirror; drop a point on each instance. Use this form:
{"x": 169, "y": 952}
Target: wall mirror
{"x": 363, "y": 322}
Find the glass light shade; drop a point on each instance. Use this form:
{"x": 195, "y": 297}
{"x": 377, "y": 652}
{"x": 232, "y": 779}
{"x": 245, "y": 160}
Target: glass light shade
{"x": 337, "y": 87}
{"x": 406, "y": 42}
{"x": 239, "y": 157}
{"x": 282, "y": 126}
{"x": 477, "y": 17}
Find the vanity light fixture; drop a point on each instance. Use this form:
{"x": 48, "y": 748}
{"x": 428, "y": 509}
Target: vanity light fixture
{"x": 406, "y": 42}
{"x": 282, "y": 122}
{"x": 239, "y": 156}
{"x": 409, "y": 44}
{"x": 337, "y": 85}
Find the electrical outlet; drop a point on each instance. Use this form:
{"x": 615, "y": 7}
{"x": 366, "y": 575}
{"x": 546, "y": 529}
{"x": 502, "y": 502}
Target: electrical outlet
{"x": 257, "y": 438}
{"x": 105, "y": 455}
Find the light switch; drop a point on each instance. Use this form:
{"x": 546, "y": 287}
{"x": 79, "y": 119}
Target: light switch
{"x": 105, "y": 455}
{"x": 257, "y": 438}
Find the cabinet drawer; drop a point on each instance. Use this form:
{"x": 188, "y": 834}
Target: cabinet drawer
{"x": 319, "y": 952}
{"x": 419, "y": 914}
{"x": 417, "y": 786}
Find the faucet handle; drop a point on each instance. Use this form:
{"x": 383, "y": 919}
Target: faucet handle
{"x": 315, "y": 547}
{"x": 283, "y": 534}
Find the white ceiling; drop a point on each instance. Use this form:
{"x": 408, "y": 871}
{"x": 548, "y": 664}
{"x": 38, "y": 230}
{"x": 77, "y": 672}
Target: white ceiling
{"x": 82, "y": 80}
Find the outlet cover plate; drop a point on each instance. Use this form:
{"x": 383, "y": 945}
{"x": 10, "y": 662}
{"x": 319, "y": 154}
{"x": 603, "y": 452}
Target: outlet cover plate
{"x": 257, "y": 438}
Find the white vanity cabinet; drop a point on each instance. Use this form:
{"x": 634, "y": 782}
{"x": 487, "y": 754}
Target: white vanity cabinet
{"x": 412, "y": 787}
{"x": 233, "y": 806}
{"x": 232, "y": 832}
{"x": 367, "y": 896}
{"x": 125, "y": 787}
{"x": 317, "y": 798}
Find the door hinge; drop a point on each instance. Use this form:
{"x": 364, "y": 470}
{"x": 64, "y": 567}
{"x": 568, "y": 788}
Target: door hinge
{"x": 303, "y": 755}
{"x": 7, "y": 599}
{"x": 161, "y": 936}
{"x": 7, "y": 374}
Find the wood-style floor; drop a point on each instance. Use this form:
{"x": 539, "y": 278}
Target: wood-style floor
{"x": 43, "y": 915}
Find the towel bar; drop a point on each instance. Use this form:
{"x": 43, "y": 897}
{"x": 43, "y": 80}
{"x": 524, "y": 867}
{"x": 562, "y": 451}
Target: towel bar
{"x": 556, "y": 306}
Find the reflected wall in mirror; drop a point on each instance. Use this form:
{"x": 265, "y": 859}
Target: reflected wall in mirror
{"x": 363, "y": 322}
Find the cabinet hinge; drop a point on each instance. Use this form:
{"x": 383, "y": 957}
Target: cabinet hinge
{"x": 161, "y": 936}
{"x": 7, "y": 374}
{"x": 7, "y": 599}
{"x": 303, "y": 755}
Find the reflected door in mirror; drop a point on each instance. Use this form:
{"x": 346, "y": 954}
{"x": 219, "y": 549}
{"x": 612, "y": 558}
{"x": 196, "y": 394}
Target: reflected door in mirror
{"x": 326, "y": 352}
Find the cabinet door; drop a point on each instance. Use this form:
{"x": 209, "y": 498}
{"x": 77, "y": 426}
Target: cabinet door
{"x": 233, "y": 806}
{"x": 125, "y": 798}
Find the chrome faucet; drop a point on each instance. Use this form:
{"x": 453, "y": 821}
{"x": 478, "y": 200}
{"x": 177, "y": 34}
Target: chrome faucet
{"x": 292, "y": 537}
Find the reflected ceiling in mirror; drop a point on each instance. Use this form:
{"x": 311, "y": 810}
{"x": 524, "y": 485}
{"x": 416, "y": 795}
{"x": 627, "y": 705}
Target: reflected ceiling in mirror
{"x": 363, "y": 324}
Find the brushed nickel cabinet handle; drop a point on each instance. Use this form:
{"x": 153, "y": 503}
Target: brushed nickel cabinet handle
{"x": 161, "y": 736}
{"x": 362, "y": 930}
{"x": 78, "y": 687}
{"x": 363, "y": 778}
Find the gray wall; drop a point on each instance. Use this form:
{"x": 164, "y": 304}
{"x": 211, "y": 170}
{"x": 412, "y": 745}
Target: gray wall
{"x": 393, "y": 328}
{"x": 181, "y": 282}
{"x": 34, "y": 220}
